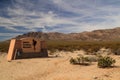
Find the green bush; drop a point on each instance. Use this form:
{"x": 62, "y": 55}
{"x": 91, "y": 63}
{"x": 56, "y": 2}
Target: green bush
{"x": 81, "y": 60}
{"x": 106, "y": 61}
{"x": 73, "y": 61}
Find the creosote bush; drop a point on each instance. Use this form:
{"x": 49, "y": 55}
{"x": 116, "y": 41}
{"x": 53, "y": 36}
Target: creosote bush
{"x": 105, "y": 61}
{"x": 81, "y": 60}
{"x": 88, "y": 46}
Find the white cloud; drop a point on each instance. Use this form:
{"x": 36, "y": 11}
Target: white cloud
{"x": 8, "y": 34}
{"x": 86, "y": 15}
{"x": 85, "y": 9}
{"x": 94, "y": 10}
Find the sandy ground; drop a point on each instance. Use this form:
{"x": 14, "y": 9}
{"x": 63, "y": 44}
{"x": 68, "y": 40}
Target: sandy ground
{"x": 55, "y": 68}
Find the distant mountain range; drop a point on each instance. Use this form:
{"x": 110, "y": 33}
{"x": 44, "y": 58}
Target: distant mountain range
{"x": 96, "y": 35}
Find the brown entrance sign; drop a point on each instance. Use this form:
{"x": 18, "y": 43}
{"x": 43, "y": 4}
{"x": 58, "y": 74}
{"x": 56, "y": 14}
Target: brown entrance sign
{"x": 26, "y": 48}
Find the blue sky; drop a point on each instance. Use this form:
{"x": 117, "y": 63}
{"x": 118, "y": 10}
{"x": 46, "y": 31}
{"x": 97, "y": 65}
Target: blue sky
{"x": 66, "y": 16}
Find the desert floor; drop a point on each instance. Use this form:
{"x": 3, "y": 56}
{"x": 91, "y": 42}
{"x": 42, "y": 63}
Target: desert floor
{"x": 55, "y": 68}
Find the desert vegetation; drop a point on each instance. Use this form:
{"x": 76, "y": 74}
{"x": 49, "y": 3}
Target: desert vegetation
{"x": 88, "y": 46}
{"x": 72, "y": 58}
{"x": 102, "y": 61}
{"x": 4, "y": 45}
{"x": 81, "y": 60}
{"x": 105, "y": 61}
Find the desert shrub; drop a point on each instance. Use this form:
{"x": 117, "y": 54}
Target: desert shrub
{"x": 89, "y": 46}
{"x": 73, "y": 61}
{"x": 52, "y": 51}
{"x": 4, "y": 46}
{"x": 117, "y": 52}
{"x": 91, "y": 58}
{"x": 84, "y": 59}
{"x": 81, "y": 60}
{"x": 105, "y": 61}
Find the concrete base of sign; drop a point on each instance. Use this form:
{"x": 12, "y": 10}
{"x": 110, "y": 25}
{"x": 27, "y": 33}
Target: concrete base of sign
{"x": 32, "y": 55}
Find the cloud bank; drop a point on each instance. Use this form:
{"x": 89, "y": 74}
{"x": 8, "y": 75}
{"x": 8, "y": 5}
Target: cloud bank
{"x": 67, "y": 16}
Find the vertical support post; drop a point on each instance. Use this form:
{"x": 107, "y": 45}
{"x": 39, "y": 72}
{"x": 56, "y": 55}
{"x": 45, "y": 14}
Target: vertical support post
{"x": 11, "y": 50}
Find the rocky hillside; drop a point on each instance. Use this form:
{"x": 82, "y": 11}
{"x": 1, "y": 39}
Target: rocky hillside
{"x": 97, "y": 35}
